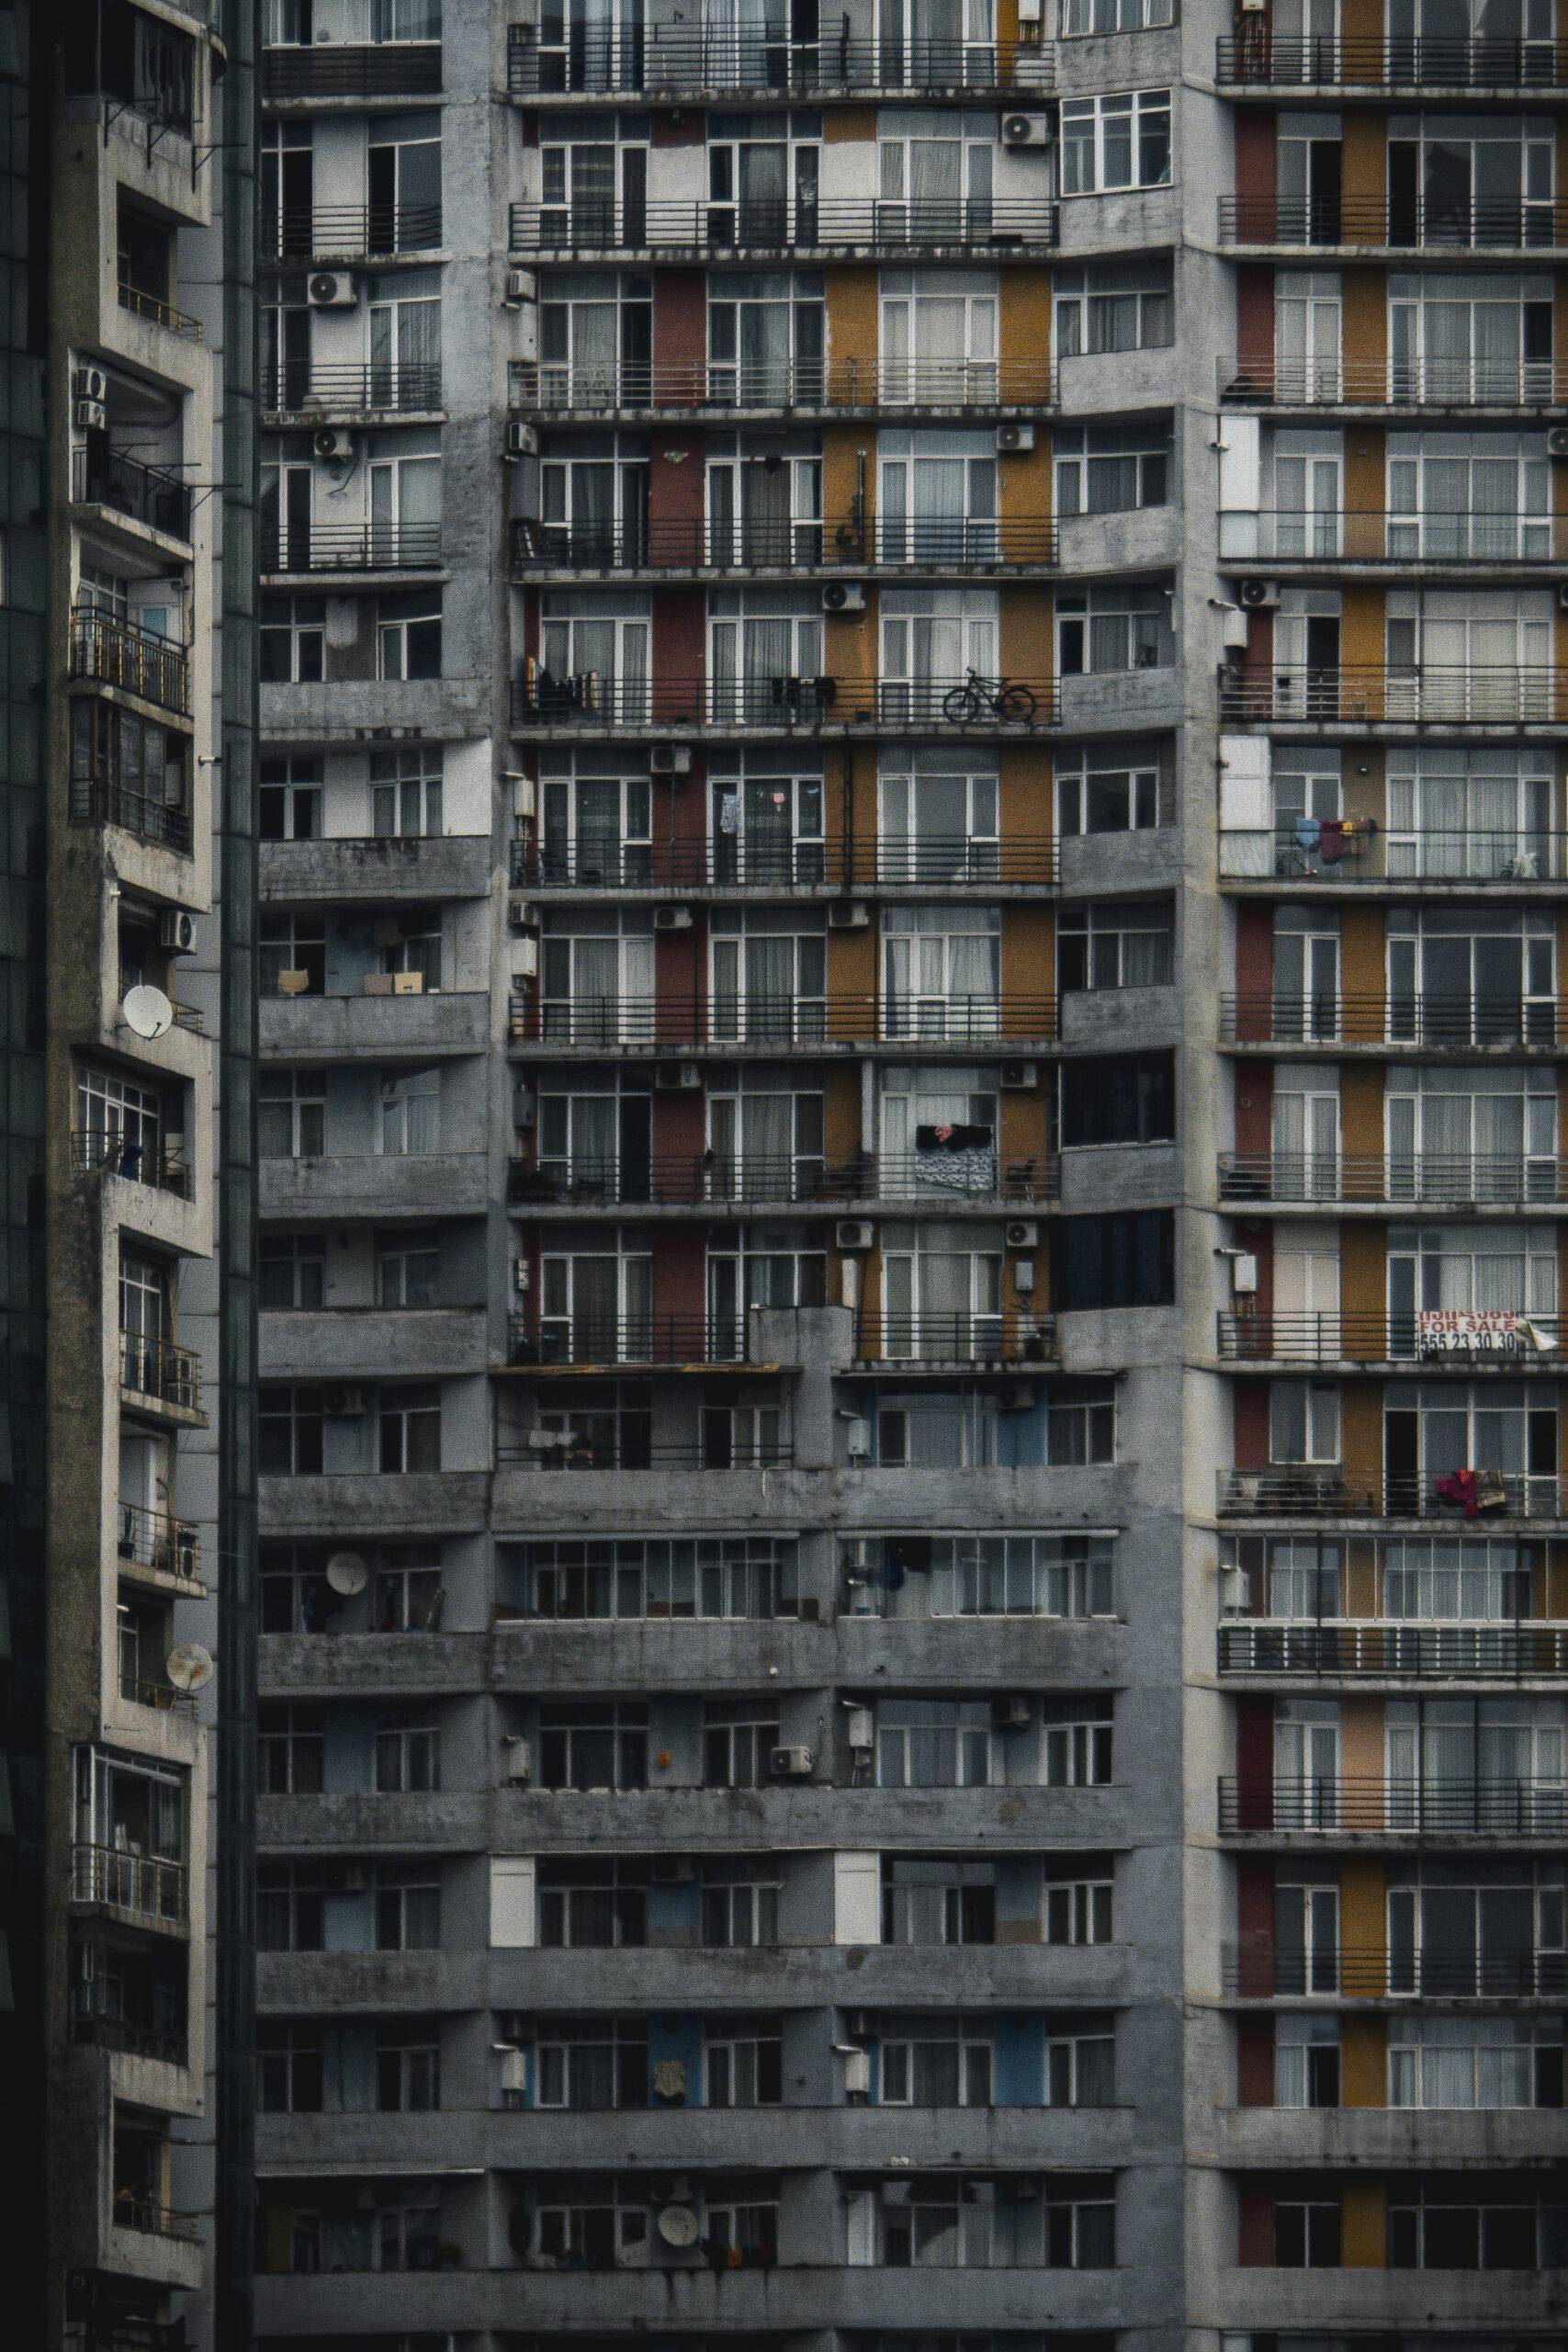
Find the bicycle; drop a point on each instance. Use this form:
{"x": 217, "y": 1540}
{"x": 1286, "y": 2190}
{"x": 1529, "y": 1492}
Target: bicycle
{"x": 980, "y": 698}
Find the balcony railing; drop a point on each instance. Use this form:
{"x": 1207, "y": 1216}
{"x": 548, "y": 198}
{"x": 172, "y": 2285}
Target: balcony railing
{"x": 1292, "y": 1490}
{"x": 1370, "y": 1973}
{"x": 628, "y": 1445}
{"x": 155, "y": 1540}
{"x": 142, "y": 1690}
{"x": 645, "y": 1340}
{"x": 1498, "y": 1179}
{"x": 935, "y": 1179}
{"x": 105, "y": 477}
{"x": 936, "y": 862}
{"x": 145, "y": 2215}
{"x": 1360, "y": 1805}
{"x": 93, "y": 2020}
{"x": 164, "y": 1168}
{"x": 993, "y": 1023}
{"x": 157, "y": 1368}
{"x": 350, "y": 546}
{"x": 117, "y": 654}
{"x": 841, "y": 224}
{"x": 1391, "y": 1647}
{"x": 1261, "y": 379}
{"x": 1356, "y": 1018}
{"x": 1489, "y": 694}
{"x": 1373, "y": 534}
{"x": 1011, "y": 543}
{"x": 812, "y": 386}
{"x": 356, "y": 231}
{"x": 1264, "y": 60}
{"x": 143, "y": 1883}
{"x": 954, "y": 1337}
{"x": 94, "y": 801}
{"x": 588, "y": 699}
{"x": 341, "y": 70}
{"x": 1359, "y": 849}
{"x": 677, "y": 64}
{"x": 1494, "y": 1336}
{"x": 160, "y": 313}
{"x": 310, "y": 388}
{"x": 1485, "y": 224}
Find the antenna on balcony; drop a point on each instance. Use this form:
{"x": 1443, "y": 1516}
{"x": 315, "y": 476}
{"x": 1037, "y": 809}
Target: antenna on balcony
{"x": 147, "y": 1011}
{"x": 189, "y": 1666}
{"x": 347, "y": 1573}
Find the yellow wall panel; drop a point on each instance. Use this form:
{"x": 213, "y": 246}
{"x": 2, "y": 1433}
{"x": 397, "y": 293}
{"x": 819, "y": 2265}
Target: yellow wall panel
{"x": 1363, "y": 2062}
{"x": 1365, "y": 320}
{"x": 1364, "y": 2225}
{"x": 1361, "y": 1431}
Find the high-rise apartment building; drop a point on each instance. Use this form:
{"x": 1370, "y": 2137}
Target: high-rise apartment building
{"x": 914, "y": 1579}
{"x": 126, "y": 1483}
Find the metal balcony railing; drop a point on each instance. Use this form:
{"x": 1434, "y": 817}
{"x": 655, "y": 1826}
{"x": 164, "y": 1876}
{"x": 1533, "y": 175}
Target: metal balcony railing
{"x": 1498, "y": 1179}
{"x": 1355, "y": 1018}
{"x": 142, "y": 1692}
{"x": 155, "y": 1540}
{"x": 1432, "y": 696}
{"x": 1358, "y": 1805}
{"x": 1261, "y": 379}
{"x": 679, "y": 64}
{"x": 350, "y": 546}
{"x": 590, "y": 699}
{"x": 309, "y": 387}
{"x": 95, "y": 2020}
{"x": 356, "y": 231}
{"x": 1010, "y": 543}
{"x": 813, "y": 386}
{"x": 103, "y": 476}
{"x": 614, "y": 1340}
{"x": 1372, "y": 535}
{"x": 149, "y": 2218}
{"x": 668, "y": 1018}
{"x": 96, "y": 801}
{"x": 117, "y": 654}
{"x": 157, "y": 1368}
{"x": 833, "y": 224}
{"x": 1254, "y": 1971}
{"x": 1483, "y": 224}
{"x": 1259, "y": 59}
{"x": 693, "y": 1180}
{"x": 334, "y": 70}
{"x": 159, "y": 313}
{"x": 1295, "y": 1490}
{"x": 164, "y": 1168}
{"x": 628, "y": 1445}
{"x": 1359, "y": 850}
{"x": 1520, "y": 1342}
{"x": 1389, "y": 1649}
{"x": 731, "y": 862}
{"x": 143, "y": 1883}
{"x": 940, "y": 1337}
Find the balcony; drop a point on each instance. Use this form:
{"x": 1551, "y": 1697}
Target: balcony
{"x": 1393, "y": 224}
{"x": 1262, "y": 381}
{"x": 349, "y": 232}
{"x": 1369, "y": 1805}
{"x": 1463, "y": 1339}
{"x": 103, "y": 476}
{"x": 712, "y": 1180}
{"x": 139, "y": 1690}
{"x": 319, "y": 392}
{"x": 95, "y": 2019}
{"x": 94, "y": 1152}
{"x": 589, "y": 701}
{"x": 1395, "y": 1649}
{"x": 1480, "y": 695}
{"x": 937, "y": 1339}
{"x": 929, "y": 862}
{"x": 1295, "y": 541}
{"x": 345, "y": 70}
{"x": 691, "y": 1342}
{"x": 1315, "y": 1491}
{"x": 1006, "y": 229}
{"x": 809, "y": 387}
{"x": 1259, "y": 59}
{"x": 96, "y": 802}
{"x": 349, "y": 546}
{"x": 153, "y": 2219}
{"x": 686, "y": 67}
{"x": 114, "y": 653}
{"x": 1008, "y": 544}
{"x": 637, "y": 1023}
{"x": 155, "y": 1369}
{"x": 1254, "y": 1971}
{"x": 159, "y": 313}
{"x": 1411, "y": 1021}
{"x": 144, "y": 1884}
{"x": 152, "y": 1539}
{"x": 1342, "y": 852}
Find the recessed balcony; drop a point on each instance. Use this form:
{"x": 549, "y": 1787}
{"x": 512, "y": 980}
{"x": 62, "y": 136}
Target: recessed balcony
{"x": 1350, "y": 538}
{"x": 836, "y": 869}
{"x": 1400, "y": 698}
{"x": 1374, "y": 1805}
{"x": 302, "y": 549}
{"x": 640, "y": 1340}
{"x": 1438, "y": 1339}
{"x": 143, "y": 1886}
{"x": 684, "y": 66}
{"x": 1394, "y": 1649}
{"x": 936, "y": 1340}
{"x": 316, "y": 392}
{"x": 664, "y": 547}
{"x": 1001, "y": 229}
{"x": 1259, "y": 1970}
{"x": 1262, "y": 380}
{"x": 1341, "y": 853}
{"x": 349, "y": 232}
{"x": 101, "y": 476}
{"x": 804, "y": 388}
{"x": 1397, "y": 224}
{"x": 111, "y": 652}
{"x": 164, "y": 1169}
{"x": 1315, "y": 1491}
{"x": 156, "y": 1373}
{"x": 628, "y": 1024}
{"x": 713, "y": 1180}
{"x": 590, "y": 702}
{"x": 1422, "y": 1021}
{"x": 1456, "y": 66}
{"x": 155, "y": 1539}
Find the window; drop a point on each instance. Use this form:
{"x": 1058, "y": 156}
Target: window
{"x": 292, "y": 1115}
{"x": 132, "y": 769}
{"x": 938, "y": 1899}
{"x": 1118, "y": 1098}
{"x": 1077, "y": 1743}
{"x": 743, "y": 2063}
{"x": 406, "y": 792}
{"x": 1079, "y": 1900}
{"x": 986, "y": 1576}
{"x": 740, "y": 1904}
{"x": 290, "y": 1904}
{"x": 289, "y": 803}
{"x": 739, "y": 1739}
{"x": 1112, "y": 468}
{"x": 936, "y": 2062}
{"x": 408, "y": 1269}
{"x": 120, "y": 1125}
{"x": 289, "y": 1431}
{"x": 1080, "y": 2062}
{"x": 591, "y": 2064}
{"x": 583, "y": 1746}
{"x": 407, "y": 1595}
{"x": 1303, "y": 1421}
{"x": 408, "y": 634}
{"x": 1114, "y": 944}
{"x": 410, "y": 1114}
{"x": 290, "y": 2070}
{"x": 407, "y": 1756}
{"x": 1482, "y": 2063}
{"x": 409, "y": 1428}
{"x": 934, "y": 1743}
{"x": 1083, "y": 17}
{"x": 1436, "y": 2225}
{"x": 1080, "y": 1422}
{"x": 1306, "y": 2061}
{"x": 1112, "y": 628}
{"x": 291, "y": 1270}
{"x": 1115, "y": 143}
{"x": 1114, "y": 306}
{"x": 293, "y": 955}
{"x": 293, "y": 649}
{"x": 948, "y": 2222}
{"x": 1110, "y": 790}
{"x": 289, "y": 1750}
{"x": 407, "y": 1906}
{"x": 1306, "y": 2237}
{"x": 594, "y": 1905}
{"x": 725, "y": 1576}
{"x": 295, "y": 1595}
{"x": 407, "y": 2068}
{"x": 1126, "y": 1259}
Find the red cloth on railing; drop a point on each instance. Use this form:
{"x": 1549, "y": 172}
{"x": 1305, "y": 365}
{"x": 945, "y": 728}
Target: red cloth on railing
{"x": 1458, "y": 1488}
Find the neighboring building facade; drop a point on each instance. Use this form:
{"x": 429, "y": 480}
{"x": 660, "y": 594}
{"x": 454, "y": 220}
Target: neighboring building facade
{"x": 120, "y": 1464}
{"x": 879, "y": 1211}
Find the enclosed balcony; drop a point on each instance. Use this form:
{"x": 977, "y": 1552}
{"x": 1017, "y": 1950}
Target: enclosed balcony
{"x": 1461, "y": 1340}
{"x": 1373, "y": 1805}
{"x": 805, "y": 388}
{"x": 1019, "y": 543}
{"x": 1395, "y": 696}
{"x": 102, "y": 476}
{"x": 1000, "y": 228}
{"x": 1430, "y": 67}
{"x": 156, "y": 1540}
{"x": 716, "y": 1180}
{"x": 114, "y": 653}
{"x": 1265, "y": 379}
{"x": 130, "y": 1994}
{"x": 1398, "y": 224}
{"x": 632, "y": 1024}
{"x": 594, "y": 702}
{"x": 111, "y": 1152}
{"x": 683, "y": 66}
{"x": 1391, "y": 1649}
{"x": 349, "y": 232}
{"x": 383, "y": 68}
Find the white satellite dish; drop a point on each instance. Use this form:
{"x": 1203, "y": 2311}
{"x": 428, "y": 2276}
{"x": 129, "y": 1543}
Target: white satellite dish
{"x": 677, "y": 2226}
{"x": 147, "y": 1011}
{"x": 189, "y": 1666}
{"x": 347, "y": 1573}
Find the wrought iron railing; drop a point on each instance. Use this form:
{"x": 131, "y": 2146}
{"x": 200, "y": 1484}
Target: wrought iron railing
{"x": 101, "y": 476}
{"x": 157, "y": 1368}
{"x": 1433, "y": 695}
{"x": 813, "y": 385}
{"x": 729, "y": 861}
{"x": 345, "y": 69}
{"x": 1406, "y": 223}
{"x": 146, "y": 1883}
{"x": 350, "y": 546}
{"x": 844, "y": 224}
{"x": 1309, "y": 1490}
{"x": 678, "y": 62}
{"x": 1524, "y": 1805}
{"x": 96, "y": 800}
{"x": 588, "y": 699}
{"x": 1358, "y": 1017}
{"x": 1261, "y": 59}
{"x": 307, "y": 387}
{"x": 164, "y": 1167}
{"x": 357, "y": 231}
{"x": 1262, "y": 378}
{"x": 160, "y": 313}
{"x": 939, "y": 1178}
{"x": 671, "y": 1017}
{"x": 1386, "y": 1648}
{"x": 1521, "y": 1342}
{"x": 153, "y": 1539}
{"x": 1009, "y": 543}
{"x": 116, "y": 653}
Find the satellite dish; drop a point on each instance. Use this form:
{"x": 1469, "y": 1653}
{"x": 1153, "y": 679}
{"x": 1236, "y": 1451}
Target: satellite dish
{"x": 147, "y": 1011}
{"x": 678, "y": 2226}
{"x": 189, "y": 1666}
{"x": 347, "y": 1573}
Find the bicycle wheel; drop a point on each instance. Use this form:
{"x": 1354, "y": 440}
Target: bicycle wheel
{"x": 960, "y": 702}
{"x": 1015, "y": 701}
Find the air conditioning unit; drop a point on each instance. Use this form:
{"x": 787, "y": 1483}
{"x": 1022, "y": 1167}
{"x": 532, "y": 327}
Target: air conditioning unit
{"x": 521, "y": 912}
{"x": 522, "y": 440}
{"x": 1557, "y": 441}
{"x": 525, "y": 959}
{"x": 1258, "y": 596}
{"x": 857, "y": 2074}
{"x": 90, "y": 384}
{"x": 862, "y": 1729}
{"x": 512, "y": 2076}
{"x": 355, "y": 1878}
{"x": 843, "y": 596}
{"x": 1015, "y": 1397}
{"x": 859, "y": 1438}
{"x": 669, "y": 2189}
{"x": 342, "y": 1403}
{"x": 848, "y": 914}
{"x": 1253, "y": 7}
{"x": 1009, "y": 1714}
{"x": 1018, "y": 1076}
{"x": 670, "y": 1076}
{"x": 791, "y": 1763}
{"x": 671, "y": 917}
{"x": 1021, "y": 1233}
{"x": 1026, "y": 131}
{"x": 853, "y": 1233}
{"x": 673, "y": 1869}
{"x": 176, "y": 931}
{"x": 91, "y": 416}
{"x": 1562, "y": 595}
{"x": 671, "y": 759}
{"x": 333, "y": 445}
{"x": 332, "y": 289}
{"x": 519, "y": 1756}
{"x": 1013, "y": 440}
{"x": 524, "y": 799}
{"x": 522, "y": 286}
